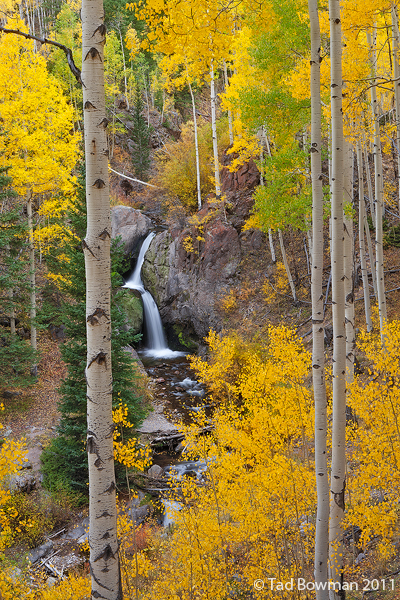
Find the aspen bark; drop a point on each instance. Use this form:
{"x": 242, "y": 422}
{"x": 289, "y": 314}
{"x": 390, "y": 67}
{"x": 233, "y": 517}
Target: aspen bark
{"x": 104, "y": 562}
{"x": 32, "y": 279}
{"x": 379, "y": 259}
{"x": 214, "y": 133}
{"x": 396, "y": 84}
{"x": 317, "y": 298}
{"x": 230, "y": 123}
{"x": 287, "y": 268}
{"x": 264, "y": 139}
{"x": 338, "y": 468}
{"x": 348, "y": 263}
{"x": 362, "y": 224}
{"x": 196, "y": 143}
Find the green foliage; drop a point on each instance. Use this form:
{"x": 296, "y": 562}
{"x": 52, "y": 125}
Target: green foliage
{"x": 286, "y": 197}
{"x": 65, "y": 461}
{"x": 140, "y": 137}
{"x": 16, "y": 355}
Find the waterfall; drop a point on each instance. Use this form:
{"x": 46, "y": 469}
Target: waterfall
{"x": 157, "y": 342}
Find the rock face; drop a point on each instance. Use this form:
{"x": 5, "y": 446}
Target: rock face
{"x": 186, "y": 286}
{"x": 130, "y": 224}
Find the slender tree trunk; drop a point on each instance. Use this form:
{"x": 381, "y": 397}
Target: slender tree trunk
{"x": 373, "y": 217}
{"x": 348, "y": 264}
{"x": 264, "y": 140}
{"x": 396, "y": 76}
{"x": 338, "y": 468}
{"x": 104, "y": 562}
{"x": 229, "y": 110}
{"x": 286, "y": 263}
{"x": 362, "y": 224}
{"x": 214, "y": 133}
{"x": 317, "y": 298}
{"x": 124, "y": 64}
{"x": 369, "y": 187}
{"x": 196, "y": 143}
{"x": 379, "y": 259}
{"x": 32, "y": 279}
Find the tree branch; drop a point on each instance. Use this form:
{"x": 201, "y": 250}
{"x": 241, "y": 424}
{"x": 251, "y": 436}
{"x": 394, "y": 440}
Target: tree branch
{"x": 67, "y": 51}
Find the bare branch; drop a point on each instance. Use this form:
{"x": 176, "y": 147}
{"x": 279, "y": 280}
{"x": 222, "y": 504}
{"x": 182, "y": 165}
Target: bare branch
{"x": 67, "y": 51}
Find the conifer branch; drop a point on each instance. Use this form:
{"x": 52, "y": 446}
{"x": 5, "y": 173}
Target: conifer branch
{"x": 67, "y": 51}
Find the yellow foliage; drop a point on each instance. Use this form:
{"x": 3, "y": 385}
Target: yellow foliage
{"x": 128, "y": 452}
{"x": 272, "y": 291}
{"x": 229, "y": 302}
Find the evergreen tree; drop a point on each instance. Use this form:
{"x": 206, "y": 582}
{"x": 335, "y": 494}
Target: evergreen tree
{"x": 15, "y": 353}
{"x": 65, "y": 460}
{"x": 141, "y": 137}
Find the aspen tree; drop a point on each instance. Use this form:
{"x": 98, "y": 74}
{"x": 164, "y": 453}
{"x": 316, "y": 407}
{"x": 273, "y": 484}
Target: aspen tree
{"x": 338, "y": 468}
{"x": 396, "y": 84}
{"x": 104, "y": 561}
{"x": 318, "y": 358}
{"x": 362, "y": 227}
{"x": 378, "y": 192}
{"x": 348, "y": 261}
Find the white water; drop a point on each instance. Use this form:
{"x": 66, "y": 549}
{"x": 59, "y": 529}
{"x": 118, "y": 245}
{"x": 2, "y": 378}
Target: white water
{"x": 157, "y": 342}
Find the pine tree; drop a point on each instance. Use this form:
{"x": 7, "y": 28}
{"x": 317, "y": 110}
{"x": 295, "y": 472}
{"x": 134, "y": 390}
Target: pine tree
{"x": 65, "y": 460}
{"x": 15, "y": 353}
{"x": 141, "y": 138}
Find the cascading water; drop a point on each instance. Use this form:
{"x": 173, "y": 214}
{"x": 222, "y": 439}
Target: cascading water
{"x": 157, "y": 342}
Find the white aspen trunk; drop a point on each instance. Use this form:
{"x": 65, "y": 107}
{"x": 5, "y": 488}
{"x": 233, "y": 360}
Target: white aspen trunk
{"x": 124, "y": 64}
{"x": 32, "y": 279}
{"x": 214, "y": 133}
{"x": 348, "y": 263}
{"x": 370, "y": 250}
{"x": 338, "y": 468}
{"x": 103, "y": 542}
{"x": 396, "y": 84}
{"x": 379, "y": 259}
{"x": 230, "y": 123}
{"x": 362, "y": 223}
{"x": 285, "y": 262}
{"x": 317, "y": 299}
{"x": 369, "y": 187}
{"x": 196, "y": 143}
{"x": 264, "y": 139}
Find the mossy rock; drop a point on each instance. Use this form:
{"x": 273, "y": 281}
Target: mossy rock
{"x": 133, "y": 309}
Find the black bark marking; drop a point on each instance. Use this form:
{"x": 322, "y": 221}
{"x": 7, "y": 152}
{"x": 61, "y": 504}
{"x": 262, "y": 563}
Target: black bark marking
{"x": 102, "y": 29}
{"x": 100, "y": 359}
{"x": 104, "y": 514}
{"x": 93, "y": 52}
{"x": 93, "y": 319}
{"x": 91, "y": 445}
{"x": 339, "y": 497}
{"x": 107, "y": 554}
{"x": 105, "y": 536}
{"x": 98, "y": 462}
{"x": 104, "y": 123}
{"x": 99, "y": 184}
{"x": 111, "y": 488}
{"x": 88, "y": 105}
{"x": 97, "y": 581}
{"x": 85, "y": 246}
{"x": 104, "y": 234}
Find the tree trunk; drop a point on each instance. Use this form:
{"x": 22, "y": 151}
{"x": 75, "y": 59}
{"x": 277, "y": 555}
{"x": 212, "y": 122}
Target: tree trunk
{"x": 396, "y": 76}
{"x": 104, "y": 562}
{"x": 362, "y": 224}
{"x": 338, "y": 468}
{"x": 317, "y": 298}
{"x": 264, "y": 139}
{"x": 214, "y": 134}
{"x": 32, "y": 278}
{"x": 229, "y": 110}
{"x": 348, "y": 263}
{"x": 196, "y": 143}
{"x": 380, "y": 281}
{"x": 286, "y": 263}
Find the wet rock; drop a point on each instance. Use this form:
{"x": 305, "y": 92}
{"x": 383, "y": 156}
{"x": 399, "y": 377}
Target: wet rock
{"x": 155, "y": 471}
{"x": 40, "y": 552}
{"x": 130, "y": 224}
{"x": 51, "y": 581}
{"x": 140, "y": 513}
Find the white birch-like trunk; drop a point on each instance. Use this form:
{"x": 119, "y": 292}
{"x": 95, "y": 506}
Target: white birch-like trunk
{"x": 104, "y": 561}
{"x": 230, "y": 122}
{"x": 338, "y": 468}
{"x": 196, "y": 143}
{"x": 264, "y": 140}
{"x": 362, "y": 224}
{"x": 214, "y": 133}
{"x": 124, "y": 64}
{"x": 369, "y": 186}
{"x": 348, "y": 263}
{"x": 379, "y": 259}
{"x": 287, "y": 268}
{"x": 371, "y": 253}
{"x": 396, "y": 84}
{"x": 32, "y": 279}
{"x": 317, "y": 298}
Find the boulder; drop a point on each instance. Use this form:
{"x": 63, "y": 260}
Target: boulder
{"x": 23, "y": 482}
{"x": 130, "y": 224}
{"x": 132, "y": 306}
{"x": 155, "y": 471}
{"x": 40, "y": 552}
